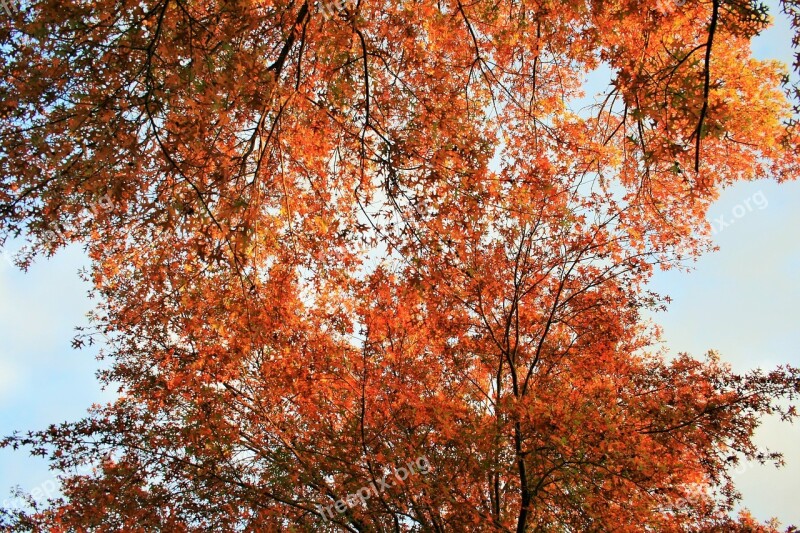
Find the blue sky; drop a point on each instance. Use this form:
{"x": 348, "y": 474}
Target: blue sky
{"x": 741, "y": 301}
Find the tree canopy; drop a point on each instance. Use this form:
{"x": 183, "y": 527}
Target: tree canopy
{"x": 332, "y": 242}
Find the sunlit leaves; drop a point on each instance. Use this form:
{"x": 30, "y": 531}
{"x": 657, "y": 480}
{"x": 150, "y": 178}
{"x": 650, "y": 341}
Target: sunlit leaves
{"x": 328, "y": 245}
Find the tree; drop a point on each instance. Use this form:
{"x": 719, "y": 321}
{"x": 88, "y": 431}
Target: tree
{"x": 373, "y": 272}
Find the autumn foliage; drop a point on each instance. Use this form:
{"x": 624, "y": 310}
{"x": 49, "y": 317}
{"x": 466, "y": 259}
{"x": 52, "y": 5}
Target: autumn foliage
{"x": 326, "y": 246}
